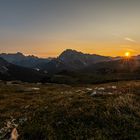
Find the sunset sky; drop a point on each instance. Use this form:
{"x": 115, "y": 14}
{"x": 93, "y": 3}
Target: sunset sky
{"x": 47, "y": 27}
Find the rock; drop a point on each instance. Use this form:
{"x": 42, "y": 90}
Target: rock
{"x": 39, "y": 83}
{"x": 46, "y": 107}
{"x": 96, "y": 88}
{"x": 28, "y": 89}
{"x": 14, "y": 134}
{"x": 114, "y": 87}
{"x": 93, "y": 93}
{"x": 89, "y": 89}
{"x": 70, "y": 99}
{"x": 22, "y": 120}
{"x": 13, "y": 82}
{"x": 101, "y": 88}
{"x": 27, "y": 106}
{"x": 9, "y": 83}
{"x": 35, "y": 88}
{"x": 78, "y": 91}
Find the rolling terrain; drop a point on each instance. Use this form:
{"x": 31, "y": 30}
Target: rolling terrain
{"x": 48, "y": 111}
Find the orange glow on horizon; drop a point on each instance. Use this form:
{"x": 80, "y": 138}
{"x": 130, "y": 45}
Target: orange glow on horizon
{"x": 127, "y": 54}
{"x": 53, "y": 48}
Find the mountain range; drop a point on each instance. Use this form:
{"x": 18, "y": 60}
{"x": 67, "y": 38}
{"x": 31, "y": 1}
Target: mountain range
{"x": 20, "y": 59}
{"x": 10, "y": 71}
{"x": 67, "y": 60}
{"x": 67, "y": 65}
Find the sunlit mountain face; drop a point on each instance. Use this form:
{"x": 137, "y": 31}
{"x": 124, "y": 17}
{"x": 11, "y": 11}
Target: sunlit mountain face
{"x": 46, "y": 28}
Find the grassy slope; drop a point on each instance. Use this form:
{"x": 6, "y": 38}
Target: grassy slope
{"x": 69, "y": 112}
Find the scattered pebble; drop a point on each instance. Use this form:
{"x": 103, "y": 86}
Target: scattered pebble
{"x": 109, "y": 93}
{"x": 114, "y": 87}
{"x": 70, "y": 99}
{"x": 93, "y": 93}
{"x": 22, "y": 120}
{"x": 78, "y": 91}
{"x": 27, "y": 106}
{"x": 39, "y": 83}
{"x": 96, "y": 88}
{"x": 46, "y": 107}
{"x": 35, "y": 88}
{"x": 101, "y": 88}
{"x": 59, "y": 123}
{"x": 100, "y": 93}
{"x": 89, "y": 89}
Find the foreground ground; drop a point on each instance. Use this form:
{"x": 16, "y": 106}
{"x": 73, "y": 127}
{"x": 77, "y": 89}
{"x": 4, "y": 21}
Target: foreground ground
{"x": 50, "y": 111}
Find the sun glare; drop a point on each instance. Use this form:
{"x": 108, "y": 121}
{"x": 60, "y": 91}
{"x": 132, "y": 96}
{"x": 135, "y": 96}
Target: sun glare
{"x": 127, "y": 54}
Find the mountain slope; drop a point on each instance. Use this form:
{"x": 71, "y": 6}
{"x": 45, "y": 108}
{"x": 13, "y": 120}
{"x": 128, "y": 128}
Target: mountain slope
{"x": 24, "y": 61}
{"x": 3, "y": 66}
{"x": 10, "y": 71}
{"x": 102, "y": 72}
{"x": 117, "y": 66}
{"x": 86, "y": 59}
{"x": 72, "y": 60}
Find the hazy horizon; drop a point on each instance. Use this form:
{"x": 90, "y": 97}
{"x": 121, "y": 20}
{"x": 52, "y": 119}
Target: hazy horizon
{"x": 62, "y": 52}
{"x": 45, "y": 28}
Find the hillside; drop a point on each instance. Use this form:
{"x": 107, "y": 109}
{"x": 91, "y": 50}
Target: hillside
{"x": 118, "y": 66}
{"x": 10, "y": 71}
{"x": 73, "y": 60}
{"x": 71, "y": 67}
{"x": 48, "y": 111}
{"x": 78, "y": 62}
{"x": 102, "y": 72}
{"x": 79, "y": 59}
{"x": 24, "y": 61}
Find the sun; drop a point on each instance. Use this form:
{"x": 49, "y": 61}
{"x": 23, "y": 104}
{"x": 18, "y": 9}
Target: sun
{"x": 127, "y": 54}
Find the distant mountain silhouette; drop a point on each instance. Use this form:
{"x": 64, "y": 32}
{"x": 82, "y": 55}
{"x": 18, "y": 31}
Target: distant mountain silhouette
{"x": 69, "y": 67}
{"x": 10, "y": 71}
{"x": 107, "y": 71}
{"x": 73, "y": 60}
{"x": 117, "y": 66}
{"x": 24, "y": 61}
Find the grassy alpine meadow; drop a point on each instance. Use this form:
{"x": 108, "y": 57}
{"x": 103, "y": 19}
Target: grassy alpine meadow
{"x": 68, "y": 112}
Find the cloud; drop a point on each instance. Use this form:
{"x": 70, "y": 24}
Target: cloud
{"x": 129, "y": 39}
{"x": 131, "y": 50}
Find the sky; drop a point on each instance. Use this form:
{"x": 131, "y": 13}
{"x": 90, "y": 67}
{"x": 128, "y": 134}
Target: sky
{"x": 48, "y": 27}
